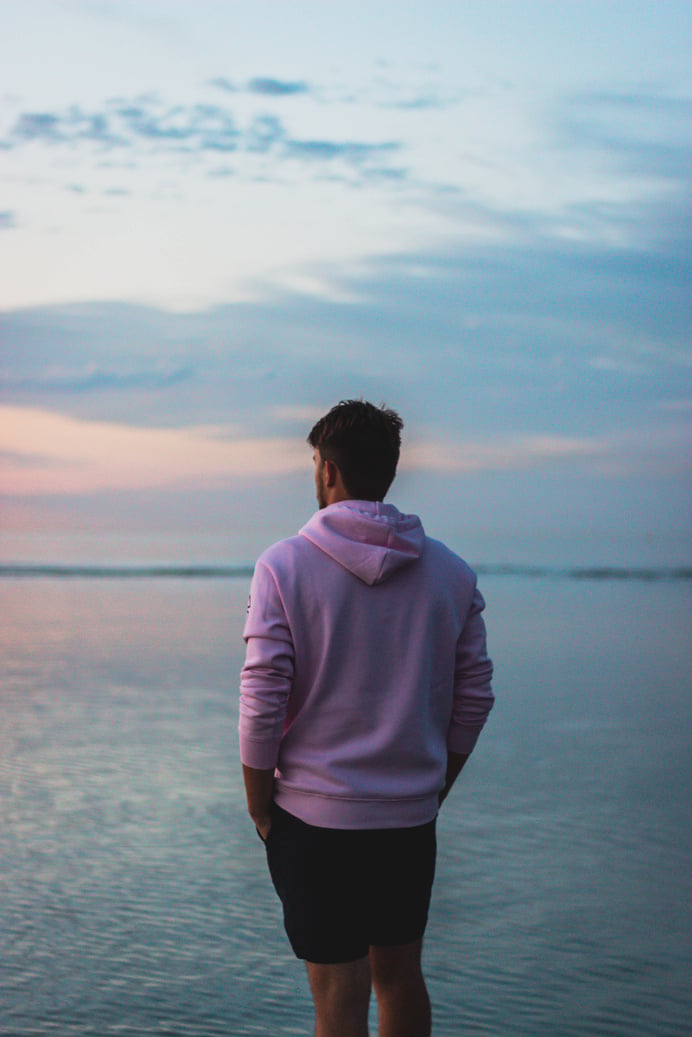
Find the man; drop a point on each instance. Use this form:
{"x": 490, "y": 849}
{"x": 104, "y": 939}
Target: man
{"x": 365, "y": 687}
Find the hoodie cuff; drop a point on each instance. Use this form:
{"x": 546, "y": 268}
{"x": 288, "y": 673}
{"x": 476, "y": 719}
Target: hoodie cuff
{"x": 262, "y": 756}
{"x": 462, "y": 739}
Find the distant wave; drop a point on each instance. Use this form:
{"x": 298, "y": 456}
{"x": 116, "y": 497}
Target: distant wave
{"x": 226, "y": 572}
{"x": 606, "y": 572}
{"x": 127, "y": 572}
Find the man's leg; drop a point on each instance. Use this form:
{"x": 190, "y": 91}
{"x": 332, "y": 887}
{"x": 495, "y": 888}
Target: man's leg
{"x": 402, "y": 998}
{"x": 342, "y": 995}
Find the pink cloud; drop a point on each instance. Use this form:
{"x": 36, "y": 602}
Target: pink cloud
{"x": 48, "y": 453}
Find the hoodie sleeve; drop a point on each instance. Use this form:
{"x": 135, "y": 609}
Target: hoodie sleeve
{"x": 473, "y": 697}
{"x": 267, "y": 676}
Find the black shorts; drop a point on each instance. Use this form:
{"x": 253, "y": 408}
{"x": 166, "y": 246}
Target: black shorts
{"x": 343, "y": 890}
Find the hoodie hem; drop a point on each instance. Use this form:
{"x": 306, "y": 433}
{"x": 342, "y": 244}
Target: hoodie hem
{"x": 334, "y": 812}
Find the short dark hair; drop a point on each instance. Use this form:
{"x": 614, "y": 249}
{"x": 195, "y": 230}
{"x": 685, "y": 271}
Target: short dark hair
{"x": 364, "y": 442}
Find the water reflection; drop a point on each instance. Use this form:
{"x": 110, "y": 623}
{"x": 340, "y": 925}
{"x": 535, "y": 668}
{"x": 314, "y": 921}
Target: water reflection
{"x": 134, "y": 893}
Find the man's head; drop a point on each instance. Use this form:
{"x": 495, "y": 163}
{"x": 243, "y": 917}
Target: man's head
{"x": 363, "y": 442}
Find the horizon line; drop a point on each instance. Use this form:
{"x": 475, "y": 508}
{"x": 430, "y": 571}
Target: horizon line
{"x": 43, "y": 570}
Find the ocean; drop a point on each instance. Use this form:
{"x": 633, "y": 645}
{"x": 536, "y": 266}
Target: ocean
{"x": 134, "y": 898}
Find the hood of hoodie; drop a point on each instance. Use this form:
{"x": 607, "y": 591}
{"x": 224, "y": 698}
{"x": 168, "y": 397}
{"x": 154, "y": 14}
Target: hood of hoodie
{"x": 370, "y": 539}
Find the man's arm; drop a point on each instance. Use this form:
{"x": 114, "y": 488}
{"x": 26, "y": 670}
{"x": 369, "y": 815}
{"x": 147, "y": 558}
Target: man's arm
{"x": 259, "y": 789}
{"x": 265, "y": 686}
{"x": 473, "y": 696}
{"x": 455, "y": 761}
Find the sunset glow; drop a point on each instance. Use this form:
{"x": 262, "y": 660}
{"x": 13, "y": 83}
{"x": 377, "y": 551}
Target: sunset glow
{"x": 481, "y": 218}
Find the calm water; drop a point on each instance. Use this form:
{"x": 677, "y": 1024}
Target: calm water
{"x": 133, "y": 893}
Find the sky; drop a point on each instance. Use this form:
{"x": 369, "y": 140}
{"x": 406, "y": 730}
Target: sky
{"x": 217, "y": 219}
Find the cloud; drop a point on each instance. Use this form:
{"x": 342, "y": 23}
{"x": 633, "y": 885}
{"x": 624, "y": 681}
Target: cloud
{"x": 264, "y": 132}
{"x": 221, "y": 83}
{"x": 16, "y": 460}
{"x": 420, "y": 102}
{"x": 546, "y": 377}
{"x": 7, "y": 220}
{"x": 643, "y": 133}
{"x": 46, "y": 453}
{"x": 44, "y": 126}
{"x": 385, "y": 174}
{"x": 53, "y": 454}
{"x": 649, "y": 103}
{"x": 276, "y": 87}
{"x": 297, "y": 416}
{"x": 520, "y": 333}
{"x": 530, "y": 335}
{"x": 512, "y": 453}
{"x": 92, "y": 379}
{"x": 194, "y": 129}
{"x": 327, "y": 151}
{"x": 202, "y": 127}
{"x": 221, "y": 172}
{"x": 67, "y": 127}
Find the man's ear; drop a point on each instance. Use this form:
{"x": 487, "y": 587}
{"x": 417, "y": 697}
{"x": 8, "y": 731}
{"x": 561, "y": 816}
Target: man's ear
{"x": 331, "y": 473}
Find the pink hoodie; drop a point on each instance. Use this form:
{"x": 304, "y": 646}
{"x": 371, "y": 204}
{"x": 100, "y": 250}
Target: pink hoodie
{"x": 366, "y": 661}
